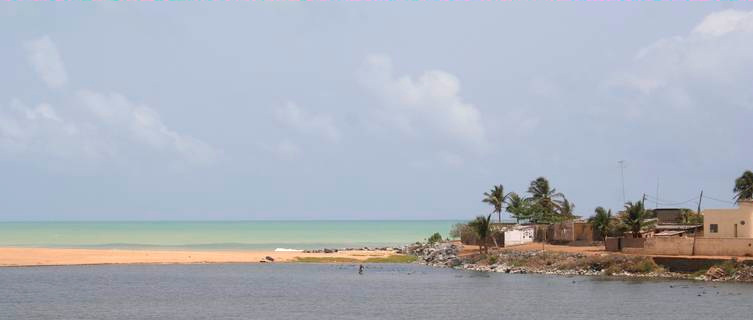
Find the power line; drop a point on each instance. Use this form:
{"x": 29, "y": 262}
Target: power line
{"x": 719, "y": 200}
{"x": 671, "y": 203}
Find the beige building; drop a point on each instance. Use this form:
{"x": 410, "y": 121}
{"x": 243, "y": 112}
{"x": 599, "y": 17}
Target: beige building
{"x": 729, "y": 223}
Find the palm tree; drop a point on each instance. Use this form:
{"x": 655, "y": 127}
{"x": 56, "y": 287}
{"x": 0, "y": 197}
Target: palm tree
{"x": 602, "y": 221}
{"x": 496, "y": 198}
{"x": 744, "y": 186}
{"x": 547, "y": 198}
{"x": 518, "y": 207}
{"x": 635, "y": 217}
{"x": 482, "y": 227}
{"x": 567, "y": 209}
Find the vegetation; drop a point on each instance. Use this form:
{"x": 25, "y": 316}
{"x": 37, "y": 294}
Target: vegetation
{"x": 519, "y": 208}
{"x": 496, "y": 198}
{"x": 544, "y": 205}
{"x": 567, "y": 209}
{"x": 744, "y": 186}
{"x": 545, "y": 196}
{"x": 458, "y": 229}
{"x": 691, "y": 217}
{"x": 548, "y": 261}
{"x": 602, "y": 222}
{"x": 729, "y": 267}
{"x": 481, "y": 226}
{"x": 634, "y": 218}
{"x": 547, "y": 203}
{"x": 434, "y": 238}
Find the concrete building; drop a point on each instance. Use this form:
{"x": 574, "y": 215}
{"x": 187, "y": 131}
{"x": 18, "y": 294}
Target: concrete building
{"x": 729, "y": 223}
{"x": 668, "y": 215}
{"x": 518, "y": 235}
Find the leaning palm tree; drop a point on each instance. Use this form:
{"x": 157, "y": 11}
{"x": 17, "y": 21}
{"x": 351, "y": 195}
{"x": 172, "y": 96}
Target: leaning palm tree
{"x": 635, "y": 218}
{"x": 482, "y": 227}
{"x": 602, "y": 222}
{"x": 744, "y": 186}
{"x": 544, "y": 196}
{"x": 496, "y": 198}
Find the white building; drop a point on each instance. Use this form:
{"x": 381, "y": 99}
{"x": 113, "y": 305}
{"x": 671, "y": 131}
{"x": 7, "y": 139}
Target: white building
{"x": 518, "y": 235}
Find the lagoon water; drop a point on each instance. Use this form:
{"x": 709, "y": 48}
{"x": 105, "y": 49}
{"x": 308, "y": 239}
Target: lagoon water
{"x": 313, "y": 291}
{"x": 219, "y": 235}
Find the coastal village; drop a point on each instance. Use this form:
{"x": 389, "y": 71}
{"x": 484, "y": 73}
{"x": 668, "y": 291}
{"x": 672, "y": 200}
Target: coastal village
{"x": 546, "y": 236}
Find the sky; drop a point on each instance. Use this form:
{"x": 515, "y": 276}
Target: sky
{"x": 383, "y": 110}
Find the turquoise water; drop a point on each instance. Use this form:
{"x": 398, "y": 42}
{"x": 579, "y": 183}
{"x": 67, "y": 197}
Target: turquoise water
{"x": 223, "y": 235}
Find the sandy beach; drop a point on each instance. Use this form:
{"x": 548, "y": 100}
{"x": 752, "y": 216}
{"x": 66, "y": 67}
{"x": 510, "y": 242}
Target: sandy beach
{"x": 15, "y": 257}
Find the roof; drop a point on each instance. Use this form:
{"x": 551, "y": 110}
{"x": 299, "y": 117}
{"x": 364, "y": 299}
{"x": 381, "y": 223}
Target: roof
{"x": 677, "y": 226}
{"x": 669, "y": 233}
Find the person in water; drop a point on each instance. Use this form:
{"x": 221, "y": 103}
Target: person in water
{"x": 360, "y": 269}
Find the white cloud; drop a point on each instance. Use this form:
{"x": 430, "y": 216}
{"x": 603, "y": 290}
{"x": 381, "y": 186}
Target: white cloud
{"x": 46, "y": 61}
{"x": 723, "y": 22}
{"x": 713, "y": 63}
{"x": 140, "y": 124}
{"x": 40, "y": 130}
{"x": 97, "y": 127}
{"x": 92, "y": 126}
{"x": 307, "y": 123}
{"x": 426, "y": 105}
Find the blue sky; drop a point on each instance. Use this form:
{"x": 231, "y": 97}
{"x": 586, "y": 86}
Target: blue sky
{"x": 117, "y": 111}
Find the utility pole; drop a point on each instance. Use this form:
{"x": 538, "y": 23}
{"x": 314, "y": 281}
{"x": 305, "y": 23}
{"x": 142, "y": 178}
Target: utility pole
{"x": 622, "y": 175}
{"x": 695, "y": 232}
{"x": 643, "y": 201}
{"x": 699, "y": 203}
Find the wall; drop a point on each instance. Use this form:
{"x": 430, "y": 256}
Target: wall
{"x": 683, "y": 246}
{"x": 673, "y": 246}
{"x": 520, "y": 236}
{"x": 563, "y": 232}
{"x": 724, "y": 247}
{"x": 584, "y": 232}
{"x": 668, "y": 215}
{"x": 726, "y": 219}
{"x": 612, "y": 244}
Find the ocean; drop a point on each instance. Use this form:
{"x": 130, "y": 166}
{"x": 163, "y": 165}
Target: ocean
{"x": 220, "y": 235}
{"x": 322, "y": 291}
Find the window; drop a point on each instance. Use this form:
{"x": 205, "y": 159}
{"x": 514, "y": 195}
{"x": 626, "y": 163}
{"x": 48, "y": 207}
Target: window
{"x": 713, "y": 228}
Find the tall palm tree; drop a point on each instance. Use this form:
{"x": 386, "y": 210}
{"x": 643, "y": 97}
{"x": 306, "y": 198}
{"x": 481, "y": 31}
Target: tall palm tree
{"x": 482, "y": 227}
{"x": 518, "y": 207}
{"x": 602, "y": 221}
{"x": 546, "y": 197}
{"x": 496, "y": 198}
{"x": 635, "y": 217}
{"x": 744, "y": 186}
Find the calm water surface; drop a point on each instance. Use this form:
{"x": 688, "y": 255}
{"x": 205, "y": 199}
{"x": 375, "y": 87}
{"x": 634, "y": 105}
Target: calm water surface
{"x": 309, "y": 291}
{"x": 220, "y": 235}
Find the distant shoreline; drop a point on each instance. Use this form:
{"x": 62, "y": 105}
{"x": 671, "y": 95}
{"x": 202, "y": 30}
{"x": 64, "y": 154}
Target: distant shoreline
{"x": 30, "y": 257}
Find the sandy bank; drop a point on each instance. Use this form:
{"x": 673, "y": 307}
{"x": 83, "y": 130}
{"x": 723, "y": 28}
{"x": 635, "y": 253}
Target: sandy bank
{"x": 54, "y": 256}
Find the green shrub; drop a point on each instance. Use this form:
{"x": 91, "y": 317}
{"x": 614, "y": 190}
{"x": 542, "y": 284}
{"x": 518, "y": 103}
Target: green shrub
{"x": 493, "y": 259}
{"x": 729, "y": 267}
{"x": 642, "y": 265}
{"x": 436, "y": 237}
{"x": 457, "y": 230}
